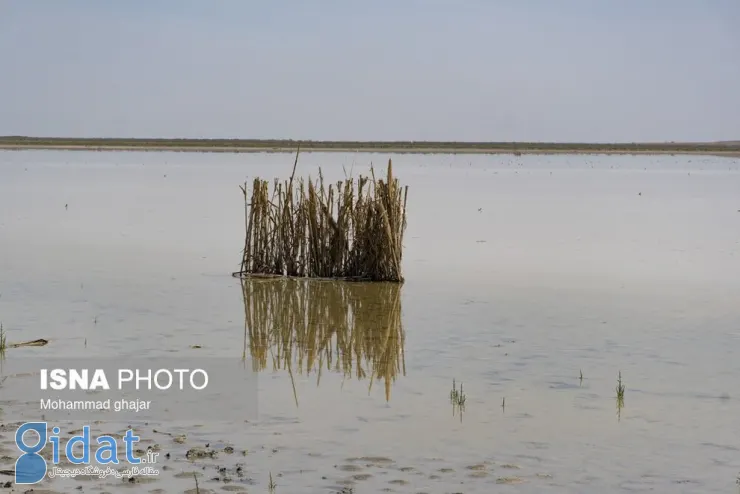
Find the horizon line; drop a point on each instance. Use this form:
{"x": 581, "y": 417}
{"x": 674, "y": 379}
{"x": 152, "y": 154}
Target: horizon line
{"x": 19, "y": 137}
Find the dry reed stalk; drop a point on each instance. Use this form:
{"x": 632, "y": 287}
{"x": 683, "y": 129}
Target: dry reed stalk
{"x": 350, "y": 328}
{"x": 351, "y": 230}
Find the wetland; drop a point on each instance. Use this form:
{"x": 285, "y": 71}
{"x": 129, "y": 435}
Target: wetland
{"x": 568, "y": 323}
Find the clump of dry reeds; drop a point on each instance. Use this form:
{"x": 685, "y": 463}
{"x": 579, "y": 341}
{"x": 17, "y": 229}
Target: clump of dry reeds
{"x": 309, "y": 325}
{"x": 352, "y": 229}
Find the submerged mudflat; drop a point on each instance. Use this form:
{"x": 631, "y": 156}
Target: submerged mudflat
{"x": 533, "y": 281}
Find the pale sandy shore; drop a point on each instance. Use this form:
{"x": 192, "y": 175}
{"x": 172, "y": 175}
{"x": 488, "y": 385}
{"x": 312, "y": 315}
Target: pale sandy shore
{"x": 732, "y": 153}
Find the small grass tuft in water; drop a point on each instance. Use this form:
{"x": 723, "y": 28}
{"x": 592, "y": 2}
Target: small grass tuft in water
{"x": 272, "y": 485}
{"x": 580, "y": 378}
{"x": 457, "y": 398}
{"x": 197, "y": 489}
{"x": 620, "y": 388}
{"x": 620, "y": 396}
{"x": 3, "y": 340}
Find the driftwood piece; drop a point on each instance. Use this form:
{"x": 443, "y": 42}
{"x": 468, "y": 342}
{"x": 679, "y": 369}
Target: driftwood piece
{"x": 39, "y": 342}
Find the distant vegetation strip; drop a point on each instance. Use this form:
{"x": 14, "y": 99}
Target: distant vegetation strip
{"x": 279, "y": 145}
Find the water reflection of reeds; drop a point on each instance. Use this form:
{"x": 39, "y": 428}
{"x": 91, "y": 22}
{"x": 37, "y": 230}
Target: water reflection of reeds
{"x": 307, "y": 326}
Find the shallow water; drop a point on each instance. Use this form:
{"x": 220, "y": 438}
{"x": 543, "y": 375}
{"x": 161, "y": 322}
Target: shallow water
{"x": 522, "y": 273}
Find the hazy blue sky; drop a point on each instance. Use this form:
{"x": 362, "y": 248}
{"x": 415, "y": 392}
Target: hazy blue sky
{"x": 544, "y": 70}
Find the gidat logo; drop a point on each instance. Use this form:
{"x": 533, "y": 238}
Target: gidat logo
{"x": 32, "y": 437}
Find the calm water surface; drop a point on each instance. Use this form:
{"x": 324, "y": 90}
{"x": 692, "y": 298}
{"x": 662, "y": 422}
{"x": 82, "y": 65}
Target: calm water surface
{"x": 522, "y": 274}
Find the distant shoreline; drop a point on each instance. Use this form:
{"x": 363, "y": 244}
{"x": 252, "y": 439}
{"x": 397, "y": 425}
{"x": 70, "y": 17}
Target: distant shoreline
{"x": 728, "y": 149}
